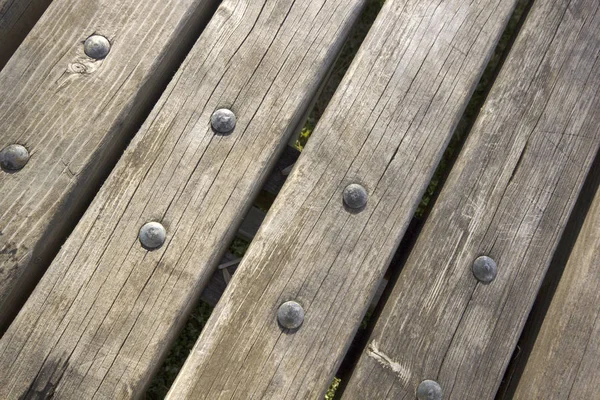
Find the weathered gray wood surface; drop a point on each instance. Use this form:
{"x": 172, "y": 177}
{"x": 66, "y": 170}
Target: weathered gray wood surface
{"x": 565, "y": 360}
{"x": 17, "y": 17}
{"x": 75, "y": 115}
{"x": 509, "y": 197}
{"x": 103, "y": 316}
{"x": 386, "y": 128}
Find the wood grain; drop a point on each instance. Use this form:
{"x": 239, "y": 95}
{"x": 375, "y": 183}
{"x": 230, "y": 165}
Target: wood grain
{"x": 76, "y": 115}
{"x": 565, "y": 360}
{"x": 385, "y": 128}
{"x": 509, "y": 196}
{"x": 17, "y": 17}
{"x": 102, "y": 318}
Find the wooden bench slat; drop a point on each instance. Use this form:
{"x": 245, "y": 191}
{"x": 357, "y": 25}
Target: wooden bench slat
{"x": 565, "y": 360}
{"x": 104, "y": 314}
{"x": 385, "y": 128}
{"x": 509, "y": 197}
{"x": 17, "y": 17}
{"x": 75, "y": 115}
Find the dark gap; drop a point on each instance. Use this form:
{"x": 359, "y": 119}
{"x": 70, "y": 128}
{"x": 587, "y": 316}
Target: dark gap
{"x": 435, "y": 186}
{"x": 549, "y": 285}
{"x": 184, "y": 343}
{"x": 14, "y": 34}
{"x": 103, "y": 161}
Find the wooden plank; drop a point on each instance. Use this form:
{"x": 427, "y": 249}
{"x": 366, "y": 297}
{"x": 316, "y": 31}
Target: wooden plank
{"x": 102, "y": 318}
{"x": 386, "y": 128}
{"x": 17, "y": 17}
{"x": 565, "y": 360}
{"x": 75, "y": 115}
{"x": 509, "y": 197}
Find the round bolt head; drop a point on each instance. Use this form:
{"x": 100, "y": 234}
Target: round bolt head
{"x": 355, "y": 196}
{"x": 290, "y": 315}
{"x": 429, "y": 390}
{"x": 96, "y": 46}
{"x": 223, "y": 121}
{"x": 485, "y": 269}
{"x": 13, "y": 157}
{"x": 152, "y": 235}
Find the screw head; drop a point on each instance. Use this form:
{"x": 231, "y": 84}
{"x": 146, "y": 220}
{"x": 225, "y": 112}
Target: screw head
{"x": 13, "y": 157}
{"x": 485, "y": 269}
{"x": 429, "y": 390}
{"x": 290, "y": 315}
{"x": 96, "y": 46}
{"x": 152, "y": 235}
{"x": 355, "y": 196}
{"x": 223, "y": 121}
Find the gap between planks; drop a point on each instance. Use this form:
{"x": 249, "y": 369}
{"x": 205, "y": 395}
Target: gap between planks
{"x": 75, "y": 115}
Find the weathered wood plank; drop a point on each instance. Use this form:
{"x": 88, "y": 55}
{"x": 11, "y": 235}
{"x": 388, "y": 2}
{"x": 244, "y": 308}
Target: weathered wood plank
{"x": 386, "y": 128}
{"x": 17, "y": 17}
{"x": 103, "y": 316}
{"x": 75, "y": 115}
{"x": 565, "y": 360}
{"x": 509, "y": 197}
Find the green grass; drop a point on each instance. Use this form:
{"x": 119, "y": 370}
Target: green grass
{"x": 330, "y": 395}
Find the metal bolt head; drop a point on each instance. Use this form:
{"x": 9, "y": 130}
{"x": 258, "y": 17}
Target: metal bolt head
{"x": 429, "y": 390}
{"x": 13, "y": 157}
{"x": 152, "y": 235}
{"x": 485, "y": 269}
{"x": 223, "y": 121}
{"x": 96, "y": 46}
{"x": 290, "y": 315}
{"x": 355, "y": 196}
